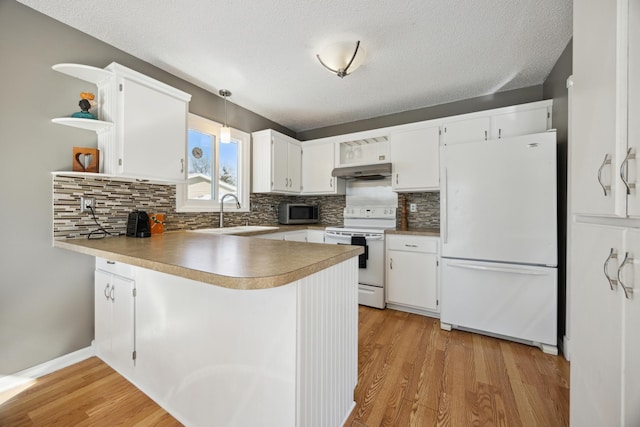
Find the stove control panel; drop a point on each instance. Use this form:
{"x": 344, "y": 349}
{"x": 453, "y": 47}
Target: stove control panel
{"x": 380, "y": 212}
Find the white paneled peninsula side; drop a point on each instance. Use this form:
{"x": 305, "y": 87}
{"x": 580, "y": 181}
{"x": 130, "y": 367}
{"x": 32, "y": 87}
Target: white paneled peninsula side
{"x": 230, "y": 330}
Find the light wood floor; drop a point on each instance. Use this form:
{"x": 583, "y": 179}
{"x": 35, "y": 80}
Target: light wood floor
{"x": 411, "y": 373}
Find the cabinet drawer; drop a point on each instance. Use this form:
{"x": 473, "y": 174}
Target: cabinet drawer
{"x": 412, "y": 243}
{"x": 113, "y": 267}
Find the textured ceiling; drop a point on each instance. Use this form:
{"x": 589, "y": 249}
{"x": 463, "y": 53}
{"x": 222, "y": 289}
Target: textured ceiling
{"x": 419, "y": 53}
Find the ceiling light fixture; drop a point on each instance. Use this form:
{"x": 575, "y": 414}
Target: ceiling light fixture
{"x": 225, "y": 130}
{"x": 339, "y": 59}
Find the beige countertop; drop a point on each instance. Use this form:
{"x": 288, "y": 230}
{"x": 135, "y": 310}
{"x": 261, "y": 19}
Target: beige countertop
{"x": 230, "y": 261}
{"x": 419, "y": 231}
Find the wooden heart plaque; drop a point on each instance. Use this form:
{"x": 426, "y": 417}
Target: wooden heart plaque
{"x": 85, "y": 159}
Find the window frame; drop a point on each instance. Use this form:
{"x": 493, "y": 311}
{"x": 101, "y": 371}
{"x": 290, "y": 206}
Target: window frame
{"x": 208, "y": 126}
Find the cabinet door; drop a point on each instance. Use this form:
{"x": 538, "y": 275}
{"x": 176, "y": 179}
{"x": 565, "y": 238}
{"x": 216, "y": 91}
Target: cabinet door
{"x": 153, "y": 132}
{"x": 596, "y": 327}
{"x": 294, "y": 167}
{"x": 594, "y": 107}
{"x": 519, "y": 123}
{"x": 466, "y": 130}
{"x": 317, "y": 164}
{"x": 415, "y": 159}
{"x": 102, "y": 313}
{"x": 412, "y": 279}
{"x": 631, "y": 343}
{"x": 633, "y": 115}
{"x": 296, "y": 236}
{"x": 122, "y": 322}
{"x": 279, "y": 164}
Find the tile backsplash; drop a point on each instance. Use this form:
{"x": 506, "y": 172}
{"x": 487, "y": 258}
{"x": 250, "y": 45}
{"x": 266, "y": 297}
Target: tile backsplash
{"x": 115, "y": 199}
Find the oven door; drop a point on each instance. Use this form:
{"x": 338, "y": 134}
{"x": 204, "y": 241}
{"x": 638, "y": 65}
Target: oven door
{"x": 371, "y": 278}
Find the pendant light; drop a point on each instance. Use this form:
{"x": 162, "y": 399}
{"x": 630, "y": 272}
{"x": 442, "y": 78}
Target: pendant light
{"x": 225, "y": 130}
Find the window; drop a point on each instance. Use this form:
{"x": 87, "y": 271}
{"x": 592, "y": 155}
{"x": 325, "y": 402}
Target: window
{"x": 214, "y": 169}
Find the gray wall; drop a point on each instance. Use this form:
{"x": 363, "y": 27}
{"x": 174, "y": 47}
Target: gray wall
{"x": 555, "y": 87}
{"x": 46, "y": 294}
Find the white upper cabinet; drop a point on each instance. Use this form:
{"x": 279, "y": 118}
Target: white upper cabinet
{"x": 415, "y": 160}
{"x": 142, "y": 133}
{"x": 466, "y": 130}
{"x": 500, "y": 123}
{"x": 317, "y": 164}
{"x": 277, "y": 163}
{"x": 606, "y": 104}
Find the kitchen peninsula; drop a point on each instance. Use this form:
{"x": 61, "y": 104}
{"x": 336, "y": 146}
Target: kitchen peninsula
{"x": 230, "y": 330}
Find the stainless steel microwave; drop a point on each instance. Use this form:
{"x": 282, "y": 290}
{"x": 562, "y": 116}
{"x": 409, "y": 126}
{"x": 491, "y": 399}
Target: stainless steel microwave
{"x": 297, "y": 213}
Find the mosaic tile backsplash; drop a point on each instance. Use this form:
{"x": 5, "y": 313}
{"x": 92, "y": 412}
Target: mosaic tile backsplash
{"x": 115, "y": 199}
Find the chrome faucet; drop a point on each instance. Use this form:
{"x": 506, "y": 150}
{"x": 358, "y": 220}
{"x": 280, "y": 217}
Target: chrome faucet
{"x": 222, "y": 206}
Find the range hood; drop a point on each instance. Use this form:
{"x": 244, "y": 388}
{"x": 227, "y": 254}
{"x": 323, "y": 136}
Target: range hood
{"x": 373, "y": 171}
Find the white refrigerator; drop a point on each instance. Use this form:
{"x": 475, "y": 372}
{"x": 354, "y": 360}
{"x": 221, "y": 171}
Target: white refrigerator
{"x": 499, "y": 238}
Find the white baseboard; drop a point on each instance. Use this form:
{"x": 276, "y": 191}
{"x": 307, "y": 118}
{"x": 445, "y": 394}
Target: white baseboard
{"x": 8, "y": 382}
{"x": 566, "y": 349}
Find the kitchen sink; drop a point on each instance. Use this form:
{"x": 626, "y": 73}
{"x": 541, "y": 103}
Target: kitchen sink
{"x": 235, "y": 230}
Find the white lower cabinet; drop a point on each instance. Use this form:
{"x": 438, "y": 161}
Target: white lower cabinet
{"x": 412, "y": 273}
{"x": 605, "y": 344}
{"x": 114, "y": 315}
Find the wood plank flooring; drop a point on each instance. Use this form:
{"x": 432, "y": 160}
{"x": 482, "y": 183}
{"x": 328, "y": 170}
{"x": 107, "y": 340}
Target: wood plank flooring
{"x": 411, "y": 373}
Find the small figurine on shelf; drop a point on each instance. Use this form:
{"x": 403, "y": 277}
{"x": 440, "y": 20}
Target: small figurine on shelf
{"x": 86, "y": 103}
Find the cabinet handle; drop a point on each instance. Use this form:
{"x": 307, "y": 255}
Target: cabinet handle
{"x": 624, "y": 170}
{"x": 390, "y": 263}
{"x": 628, "y": 290}
{"x": 499, "y": 133}
{"x": 411, "y": 246}
{"x": 181, "y": 165}
{"x": 112, "y": 294}
{"x": 444, "y": 206}
{"x": 106, "y": 291}
{"x": 612, "y": 255}
{"x": 486, "y": 135}
{"x": 606, "y": 161}
{"x": 330, "y": 182}
{"x": 397, "y": 178}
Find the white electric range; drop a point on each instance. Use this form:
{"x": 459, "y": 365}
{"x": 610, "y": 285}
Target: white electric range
{"x": 365, "y": 226}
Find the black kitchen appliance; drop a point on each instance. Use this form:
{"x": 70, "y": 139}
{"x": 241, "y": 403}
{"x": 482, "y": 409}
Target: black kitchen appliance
{"x": 138, "y": 224}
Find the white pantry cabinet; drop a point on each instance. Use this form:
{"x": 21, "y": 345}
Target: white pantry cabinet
{"x": 605, "y": 344}
{"x": 317, "y": 164}
{"x": 606, "y": 107}
{"x": 142, "y": 133}
{"x": 277, "y": 163}
{"x": 114, "y": 315}
{"x": 499, "y": 123}
{"x": 604, "y": 244}
{"x": 412, "y": 273}
{"x": 415, "y": 159}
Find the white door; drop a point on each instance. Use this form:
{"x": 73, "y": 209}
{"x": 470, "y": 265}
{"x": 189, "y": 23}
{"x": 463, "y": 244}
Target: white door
{"x": 512, "y": 300}
{"x": 102, "y": 313}
{"x": 412, "y": 279}
{"x": 498, "y": 200}
{"x": 594, "y": 106}
{"x": 631, "y": 328}
{"x": 317, "y": 164}
{"x": 466, "y": 130}
{"x": 154, "y": 132}
{"x": 596, "y": 327}
{"x": 122, "y": 330}
{"x": 415, "y": 160}
{"x": 279, "y": 164}
{"x": 633, "y": 125}
{"x": 519, "y": 123}
{"x": 294, "y": 159}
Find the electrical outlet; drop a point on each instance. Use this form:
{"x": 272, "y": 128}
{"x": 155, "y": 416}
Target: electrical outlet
{"x": 413, "y": 207}
{"x": 87, "y": 203}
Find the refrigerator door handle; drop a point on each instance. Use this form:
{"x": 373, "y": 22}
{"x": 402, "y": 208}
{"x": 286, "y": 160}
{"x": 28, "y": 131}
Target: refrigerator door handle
{"x": 443, "y": 194}
{"x": 514, "y": 270}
